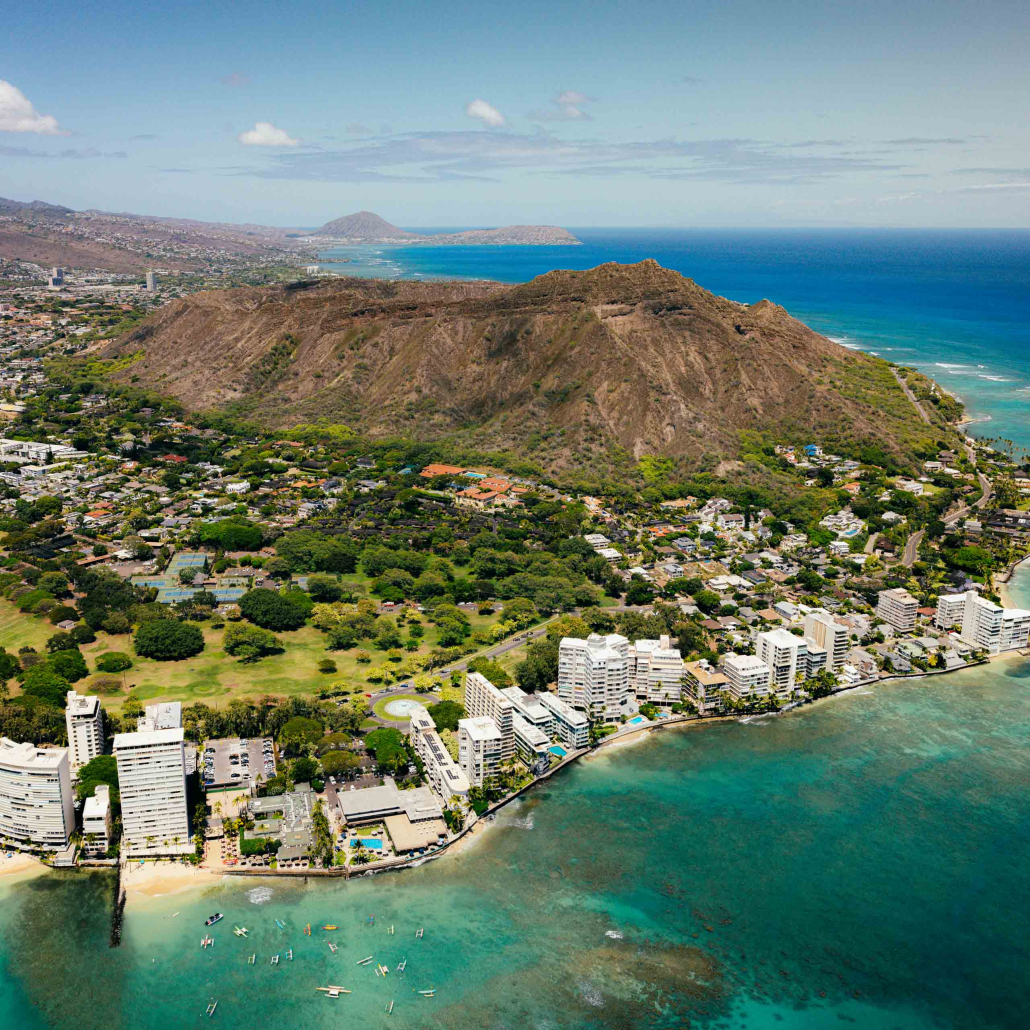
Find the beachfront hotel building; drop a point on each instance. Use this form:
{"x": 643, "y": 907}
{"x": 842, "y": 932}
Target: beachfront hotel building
{"x": 570, "y": 725}
{"x": 531, "y": 744}
{"x": 96, "y": 821}
{"x": 152, "y": 783}
{"x": 950, "y": 609}
{"x": 84, "y": 720}
{"x": 593, "y": 675}
{"x": 897, "y": 608}
{"x": 830, "y": 635}
{"x": 747, "y": 676}
{"x": 35, "y": 796}
{"x": 530, "y": 708}
{"x": 991, "y": 628}
{"x": 482, "y": 698}
{"x": 445, "y": 776}
{"x": 704, "y": 686}
{"x": 656, "y": 671}
{"x": 786, "y": 655}
{"x": 480, "y": 749}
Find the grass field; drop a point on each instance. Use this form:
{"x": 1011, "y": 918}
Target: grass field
{"x": 214, "y": 677}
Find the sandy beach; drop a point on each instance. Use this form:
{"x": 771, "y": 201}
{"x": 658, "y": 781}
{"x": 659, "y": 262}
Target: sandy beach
{"x": 163, "y": 879}
{"x": 19, "y": 863}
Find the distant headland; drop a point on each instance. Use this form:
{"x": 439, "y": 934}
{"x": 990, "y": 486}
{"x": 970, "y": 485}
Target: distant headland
{"x": 364, "y": 227}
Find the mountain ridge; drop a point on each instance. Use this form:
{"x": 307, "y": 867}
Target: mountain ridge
{"x": 368, "y": 227}
{"x": 564, "y": 368}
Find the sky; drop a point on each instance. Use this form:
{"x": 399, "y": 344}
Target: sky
{"x": 653, "y": 113}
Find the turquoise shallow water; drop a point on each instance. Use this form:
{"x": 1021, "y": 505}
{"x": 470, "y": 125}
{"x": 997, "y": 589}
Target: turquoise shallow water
{"x": 951, "y": 303}
{"x": 861, "y": 863}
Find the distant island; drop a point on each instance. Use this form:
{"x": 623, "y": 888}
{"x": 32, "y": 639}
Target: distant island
{"x": 364, "y": 227}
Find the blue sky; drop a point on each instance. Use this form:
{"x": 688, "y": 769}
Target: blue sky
{"x": 742, "y": 113}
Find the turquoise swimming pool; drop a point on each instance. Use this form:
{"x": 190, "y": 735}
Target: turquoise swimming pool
{"x": 367, "y": 842}
{"x": 636, "y": 720}
{"x": 559, "y": 751}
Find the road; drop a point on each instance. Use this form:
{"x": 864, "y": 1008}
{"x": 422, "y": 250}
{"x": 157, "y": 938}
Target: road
{"x": 911, "y": 396}
{"x": 908, "y": 558}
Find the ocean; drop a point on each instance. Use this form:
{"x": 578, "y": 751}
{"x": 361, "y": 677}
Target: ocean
{"x": 953, "y": 304}
{"x": 861, "y": 862}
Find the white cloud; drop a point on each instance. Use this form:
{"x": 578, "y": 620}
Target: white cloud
{"x": 18, "y": 115}
{"x": 485, "y": 112}
{"x": 568, "y": 107}
{"x": 265, "y": 134}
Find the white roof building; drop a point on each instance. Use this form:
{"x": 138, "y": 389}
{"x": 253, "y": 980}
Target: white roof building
{"x": 35, "y": 795}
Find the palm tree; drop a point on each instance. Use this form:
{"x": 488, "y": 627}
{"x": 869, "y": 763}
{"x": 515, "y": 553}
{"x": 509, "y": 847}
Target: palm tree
{"x": 150, "y": 840}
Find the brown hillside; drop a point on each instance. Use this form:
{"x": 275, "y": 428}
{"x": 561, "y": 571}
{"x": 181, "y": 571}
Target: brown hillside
{"x": 630, "y": 354}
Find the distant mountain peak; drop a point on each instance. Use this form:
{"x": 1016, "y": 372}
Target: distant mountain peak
{"x": 364, "y": 225}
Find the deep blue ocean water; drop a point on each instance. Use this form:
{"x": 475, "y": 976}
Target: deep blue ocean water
{"x": 954, "y": 304}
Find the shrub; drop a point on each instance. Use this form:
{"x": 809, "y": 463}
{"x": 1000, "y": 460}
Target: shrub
{"x": 166, "y": 640}
{"x": 327, "y": 666}
{"x": 61, "y": 612}
{"x": 116, "y": 623}
{"x": 114, "y": 661}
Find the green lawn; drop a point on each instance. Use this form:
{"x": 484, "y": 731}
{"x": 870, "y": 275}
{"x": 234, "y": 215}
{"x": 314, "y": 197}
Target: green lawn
{"x": 380, "y": 706}
{"x": 213, "y": 676}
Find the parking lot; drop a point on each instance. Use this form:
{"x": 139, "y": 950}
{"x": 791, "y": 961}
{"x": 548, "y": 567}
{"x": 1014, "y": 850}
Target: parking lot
{"x": 235, "y": 762}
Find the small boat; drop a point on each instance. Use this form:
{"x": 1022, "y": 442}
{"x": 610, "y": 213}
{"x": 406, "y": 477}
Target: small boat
{"x": 332, "y": 947}
{"x": 174, "y": 914}
{"x": 280, "y": 924}
{"x": 389, "y": 1008}
{"x": 275, "y": 960}
{"x": 429, "y": 993}
{"x": 390, "y": 930}
{"x": 289, "y": 954}
{"x": 333, "y": 991}
{"x": 364, "y": 961}
{"x": 419, "y": 932}
{"x": 206, "y": 942}
{"x": 211, "y": 1008}
{"x": 307, "y": 930}
{"x": 401, "y": 967}
{"x": 331, "y": 926}
{"x": 252, "y": 960}
{"x": 213, "y": 919}
{"x": 240, "y": 931}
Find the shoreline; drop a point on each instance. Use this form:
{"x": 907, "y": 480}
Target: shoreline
{"x": 157, "y": 879}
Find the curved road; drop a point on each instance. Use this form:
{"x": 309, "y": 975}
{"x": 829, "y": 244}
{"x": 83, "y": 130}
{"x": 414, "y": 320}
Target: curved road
{"x": 908, "y": 558}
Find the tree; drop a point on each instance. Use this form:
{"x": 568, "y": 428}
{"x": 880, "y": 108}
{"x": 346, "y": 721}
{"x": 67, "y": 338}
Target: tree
{"x": 340, "y": 763}
{"x": 101, "y": 770}
{"x": 299, "y": 732}
{"x": 70, "y": 664}
{"x": 304, "y": 770}
{"x": 55, "y": 583}
{"x": 168, "y": 640}
{"x": 491, "y": 670}
{"x": 445, "y": 714}
{"x": 46, "y": 684}
{"x": 324, "y": 588}
{"x": 639, "y": 593}
{"x": 188, "y": 574}
{"x": 249, "y": 643}
{"x": 272, "y": 611}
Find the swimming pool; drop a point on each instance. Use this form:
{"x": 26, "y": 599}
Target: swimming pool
{"x": 636, "y": 720}
{"x": 367, "y": 842}
{"x": 559, "y": 751}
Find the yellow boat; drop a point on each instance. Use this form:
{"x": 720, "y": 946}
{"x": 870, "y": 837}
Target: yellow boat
{"x": 331, "y": 927}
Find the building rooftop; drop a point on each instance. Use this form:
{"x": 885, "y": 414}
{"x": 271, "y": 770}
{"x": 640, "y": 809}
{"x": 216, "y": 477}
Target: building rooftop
{"x": 164, "y": 716}
{"x": 30, "y": 755}
{"x": 145, "y": 738}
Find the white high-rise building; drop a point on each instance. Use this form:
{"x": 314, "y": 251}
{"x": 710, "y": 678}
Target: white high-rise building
{"x": 152, "y": 783}
{"x": 786, "y": 656}
{"x": 482, "y": 698}
{"x": 151, "y": 282}
{"x": 84, "y": 720}
{"x": 830, "y": 635}
{"x": 570, "y": 724}
{"x": 35, "y": 795}
{"x": 445, "y": 777}
{"x": 748, "y": 677}
{"x": 656, "y": 671}
{"x": 898, "y": 608}
{"x": 96, "y": 821}
{"x": 480, "y": 749}
{"x": 593, "y": 675}
{"x": 532, "y": 744}
{"x": 950, "y": 609}
{"x": 530, "y": 708}
{"x": 991, "y": 628}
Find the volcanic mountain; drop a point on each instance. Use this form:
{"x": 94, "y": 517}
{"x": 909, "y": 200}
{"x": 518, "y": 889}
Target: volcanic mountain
{"x": 570, "y": 367}
{"x": 364, "y": 225}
